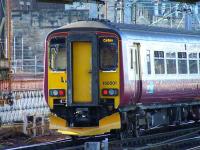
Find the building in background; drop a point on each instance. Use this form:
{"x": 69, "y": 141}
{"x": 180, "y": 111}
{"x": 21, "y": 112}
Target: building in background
{"x": 32, "y": 21}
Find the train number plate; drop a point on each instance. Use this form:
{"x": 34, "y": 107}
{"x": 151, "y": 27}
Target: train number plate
{"x": 109, "y": 82}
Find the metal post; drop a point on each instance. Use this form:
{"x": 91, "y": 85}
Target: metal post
{"x": 22, "y": 54}
{"x": 35, "y": 65}
{"x": 176, "y": 10}
{"x": 98, "y": 10}
{"x": 6, "y": 52}
{"x": 163, "y": 7}
{"x": 127, "y": 11}
{"x": 122, "y": 11}
{"x": 171, "y": 23}
{"x": 9, "y": 37}
{"x": 115, "y": 12}
{"x": 14, "y": 54}
{"x": 188, "y": 19}
{"x": 156, "y": 9}
{"x": 106, "y": 9}
{"x": 135, "y": 13}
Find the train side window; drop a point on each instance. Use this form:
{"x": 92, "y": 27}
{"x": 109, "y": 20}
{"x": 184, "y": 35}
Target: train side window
{"x": 171, "y": 62}
{"x": 108, "y": 53}
{"x": 58, "y": 57}
{"x": 159, "y": 62}
{"x": 182, "y": 62}
{"x": 193, "y": 63}
{"x": 148, "y": 58}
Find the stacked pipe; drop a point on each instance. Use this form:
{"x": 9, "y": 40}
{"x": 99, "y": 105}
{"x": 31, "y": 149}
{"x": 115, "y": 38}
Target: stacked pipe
{"x": 25, "y": 103}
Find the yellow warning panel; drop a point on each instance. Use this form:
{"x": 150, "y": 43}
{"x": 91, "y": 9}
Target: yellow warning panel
{"x": 82, "y": 76}
{"x": 105, "y": 125}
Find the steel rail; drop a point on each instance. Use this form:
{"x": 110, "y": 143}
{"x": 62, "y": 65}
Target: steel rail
{"x": 194, "y": 148}
{"x": 171, "y": 138}
{"x": 157, "y": 140}
{"x": 179, "y": 144}
{"x": 69, "y": 144}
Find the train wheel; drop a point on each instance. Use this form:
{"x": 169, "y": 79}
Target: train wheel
{"x": 131, "y": 126}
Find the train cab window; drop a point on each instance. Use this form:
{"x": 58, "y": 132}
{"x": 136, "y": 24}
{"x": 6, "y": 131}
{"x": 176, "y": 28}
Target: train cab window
{"x": 171, "y": 62}
{"x": 159, "y": 62}
{"x": 182, "y": 62}
{"x": 108, "y": 53}
{"x": 193, "y": 63}
{"x": 58, "y": 57}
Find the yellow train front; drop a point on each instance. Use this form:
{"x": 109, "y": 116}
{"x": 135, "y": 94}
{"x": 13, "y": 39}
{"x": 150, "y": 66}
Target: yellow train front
{"x": 82, "y": 78}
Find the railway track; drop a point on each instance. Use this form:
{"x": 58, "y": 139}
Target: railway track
{"x": 70, "y": 144}
{"x": 181, "y": 137}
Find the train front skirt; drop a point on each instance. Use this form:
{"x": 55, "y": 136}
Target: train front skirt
{"x": 105, "y": 125}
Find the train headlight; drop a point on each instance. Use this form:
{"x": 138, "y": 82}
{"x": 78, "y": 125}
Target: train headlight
{"x": 110, "y": 92}
{"x": 57, "y": 92}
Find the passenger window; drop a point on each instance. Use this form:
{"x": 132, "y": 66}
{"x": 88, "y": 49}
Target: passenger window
{"x": 58, "y": 56}
{"x": 159, "y": 62}
{"x": 193, "y": 63}
{"x": 148, "y": 61}
{"x": 108, "y": 53}
{"x": 182, "y": 62}
{"x": 171, "y": 62}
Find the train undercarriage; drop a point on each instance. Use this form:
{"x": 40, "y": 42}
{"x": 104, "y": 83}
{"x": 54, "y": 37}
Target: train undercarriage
{"x": 134, "y": 122}
{"x": 127, "y": 122}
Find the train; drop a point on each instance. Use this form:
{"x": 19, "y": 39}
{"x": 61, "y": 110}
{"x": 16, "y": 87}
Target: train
{"x": 103, "y": 77}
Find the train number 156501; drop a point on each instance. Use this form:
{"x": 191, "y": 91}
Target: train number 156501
{"x": 109, "y": 82}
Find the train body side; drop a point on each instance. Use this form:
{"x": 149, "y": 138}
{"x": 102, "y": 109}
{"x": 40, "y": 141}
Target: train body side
{"x": 145, "y": 85}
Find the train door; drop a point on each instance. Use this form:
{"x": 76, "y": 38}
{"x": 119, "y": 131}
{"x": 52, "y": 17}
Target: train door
{"x": 82, "y": 77}
{"x": 82, "y": 70}
{"x": 134, "y": 69}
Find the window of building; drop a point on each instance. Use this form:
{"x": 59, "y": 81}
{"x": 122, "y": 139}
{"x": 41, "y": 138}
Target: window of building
{"x": 108, "y": 53}
{"x": 148, "y": 58}
{"x": 58, "y": 56}
{"x": 182, "y": 62}
{"x": 193, "y": 63}
{"x": 171, "y": 62}
{"x": 159, "y": 62}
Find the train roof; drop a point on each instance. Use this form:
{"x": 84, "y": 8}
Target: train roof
{"x": 121, "y": 27}
{"x": 142, "y": 32}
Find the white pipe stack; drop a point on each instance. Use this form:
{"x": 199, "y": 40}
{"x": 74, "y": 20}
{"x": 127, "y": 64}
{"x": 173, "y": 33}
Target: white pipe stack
{"x": 26, "y": 103}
